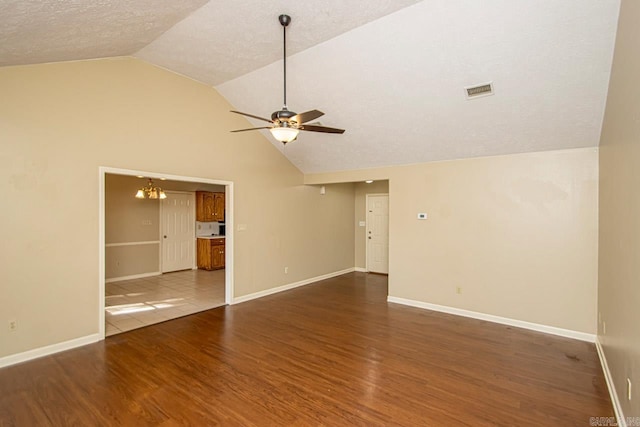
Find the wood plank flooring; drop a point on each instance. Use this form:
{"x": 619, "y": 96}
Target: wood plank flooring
{"x": 330, "y": 353}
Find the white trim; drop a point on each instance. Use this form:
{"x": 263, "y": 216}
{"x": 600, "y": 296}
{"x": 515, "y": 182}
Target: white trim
{"x": 617, "y": 407}
{"x": 149, "y": 242}
{"x": 47, "y": 350}
{"x": 282, "y": 288}
{"x": 229, "y": 242}
{"x": 582, "y": 336}
{"x": 102, "y": 174}
{"x": 360, "y": 269}
{"x": 133, "y": 276}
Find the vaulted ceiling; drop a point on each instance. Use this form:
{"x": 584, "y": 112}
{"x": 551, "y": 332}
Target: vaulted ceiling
{"x": 390, "y": 72}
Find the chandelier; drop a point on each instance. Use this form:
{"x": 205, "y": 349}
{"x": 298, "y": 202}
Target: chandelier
{"x": 150, "y": 192}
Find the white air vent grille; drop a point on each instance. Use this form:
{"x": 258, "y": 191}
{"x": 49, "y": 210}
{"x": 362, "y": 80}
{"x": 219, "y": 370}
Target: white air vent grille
{"x": 478, "y": 91}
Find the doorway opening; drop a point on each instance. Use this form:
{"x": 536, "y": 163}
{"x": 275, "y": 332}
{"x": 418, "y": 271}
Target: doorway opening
{"x": 148, "y": 253}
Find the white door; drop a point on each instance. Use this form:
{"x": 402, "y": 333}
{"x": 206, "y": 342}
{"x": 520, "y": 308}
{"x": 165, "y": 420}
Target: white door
{"x": 378, "y": 233}
{"x": 178, "y": 236}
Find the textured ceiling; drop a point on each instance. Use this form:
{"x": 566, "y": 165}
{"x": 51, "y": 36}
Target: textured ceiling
{"x": 33, "y": 31}
{"x": 396, "y": 84}
{"x": 226, "y": 40}
{"x": 391, "y": 72}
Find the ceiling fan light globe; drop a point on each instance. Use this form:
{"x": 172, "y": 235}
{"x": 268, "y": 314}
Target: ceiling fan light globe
{"x": 284, "y": 134}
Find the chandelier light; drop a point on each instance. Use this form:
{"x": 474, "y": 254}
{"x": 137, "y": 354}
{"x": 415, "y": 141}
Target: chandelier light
{"x": 150, "y": 192}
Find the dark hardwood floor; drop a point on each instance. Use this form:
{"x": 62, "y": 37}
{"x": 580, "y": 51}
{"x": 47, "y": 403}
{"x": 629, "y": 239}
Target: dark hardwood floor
{"x": 330, "y": 353}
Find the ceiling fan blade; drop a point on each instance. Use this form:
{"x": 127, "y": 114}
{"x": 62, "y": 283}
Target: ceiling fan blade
{"x": 251, "y": 115}
{"x": 307, "y": 116}
{"x": 324, "y": 129}
{"x": 243, "y": 130}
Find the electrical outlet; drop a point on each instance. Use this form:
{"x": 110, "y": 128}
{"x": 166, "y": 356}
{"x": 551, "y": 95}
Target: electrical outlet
{"x": 458, "y": 290}
{"x": 628, "y": 388}
{"x": 286, "y": 270}
{"x": 13, "y": 325}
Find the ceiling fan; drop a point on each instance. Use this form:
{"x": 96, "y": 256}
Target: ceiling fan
{"x": 285, "y": 124}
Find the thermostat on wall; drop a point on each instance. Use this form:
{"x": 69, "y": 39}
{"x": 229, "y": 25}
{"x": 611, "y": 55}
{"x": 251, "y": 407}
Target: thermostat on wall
{"x": 422, "y": 215}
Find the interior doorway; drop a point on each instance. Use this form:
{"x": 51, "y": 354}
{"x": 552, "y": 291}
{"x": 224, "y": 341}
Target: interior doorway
{"x": 123, "y": 273}
{"x": 377, "y": 233}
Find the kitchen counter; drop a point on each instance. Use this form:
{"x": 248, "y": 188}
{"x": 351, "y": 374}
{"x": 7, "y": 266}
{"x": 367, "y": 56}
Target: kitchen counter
{"x": 210, "y": 237}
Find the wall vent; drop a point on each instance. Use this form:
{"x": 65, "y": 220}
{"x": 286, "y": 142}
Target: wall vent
{"x": 478, "y": 91}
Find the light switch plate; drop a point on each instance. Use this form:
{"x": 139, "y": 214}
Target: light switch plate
{"x": 362, "y": 223}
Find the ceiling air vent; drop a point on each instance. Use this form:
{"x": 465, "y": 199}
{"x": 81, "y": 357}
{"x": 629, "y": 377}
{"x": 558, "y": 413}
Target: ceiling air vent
{"x": 478, "y": 91}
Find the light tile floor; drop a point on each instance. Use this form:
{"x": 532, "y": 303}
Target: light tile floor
{"x": 136, "y": 303}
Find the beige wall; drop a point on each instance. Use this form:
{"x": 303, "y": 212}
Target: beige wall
{"x": 128, "y": 219}
{"x": 361, "y": 190}
{"x": 619, "y": 267}
{"x": 124, "y": 261}
{"x": 60, "y": 122}
{"x": 517, "y": 233}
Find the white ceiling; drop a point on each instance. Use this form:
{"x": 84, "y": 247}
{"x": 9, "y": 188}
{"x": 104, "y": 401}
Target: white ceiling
{"x": 389, "y": 72}
{"x": 396, "y": 84}
{"x": 224, "y": 40}
{"x": 37, "y": 31}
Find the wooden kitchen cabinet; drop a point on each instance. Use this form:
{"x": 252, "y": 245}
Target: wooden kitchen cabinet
{"x": 209, "y": 206}
{"x": 204, "y": 206}
{"x": 210, "y": 254}
{"x": 218, "y": 206}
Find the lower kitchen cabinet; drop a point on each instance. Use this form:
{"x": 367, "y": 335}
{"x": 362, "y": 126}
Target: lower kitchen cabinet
{"x": 210, "y": 254}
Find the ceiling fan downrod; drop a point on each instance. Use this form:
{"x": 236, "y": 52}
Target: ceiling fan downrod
{"x": 285, "y": 20}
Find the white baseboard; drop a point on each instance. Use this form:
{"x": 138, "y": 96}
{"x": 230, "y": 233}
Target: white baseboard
{"x": 47, "y": 350}
{"x": 582, "y": 336}
{"x": 360, "y": 269}
{"x": 282, "y": 288}
{"x": 617, "y": 407}
{"x": 134, "y": 276}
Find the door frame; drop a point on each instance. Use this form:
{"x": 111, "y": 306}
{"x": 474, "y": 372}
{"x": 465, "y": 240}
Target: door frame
{"x": 229, "y": 238}
{"x": 192, "y": 215}
{"x": 366, "y": 231}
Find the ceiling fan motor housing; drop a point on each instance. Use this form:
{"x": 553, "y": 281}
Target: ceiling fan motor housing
{"x": 282, "y": 116}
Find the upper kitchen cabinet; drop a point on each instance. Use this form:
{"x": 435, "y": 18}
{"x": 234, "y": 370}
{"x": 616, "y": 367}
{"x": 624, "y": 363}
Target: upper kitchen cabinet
{"x": 204, "y": 206}
{"x": 209, "y": 206}
{"x": 218, "y": 206}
